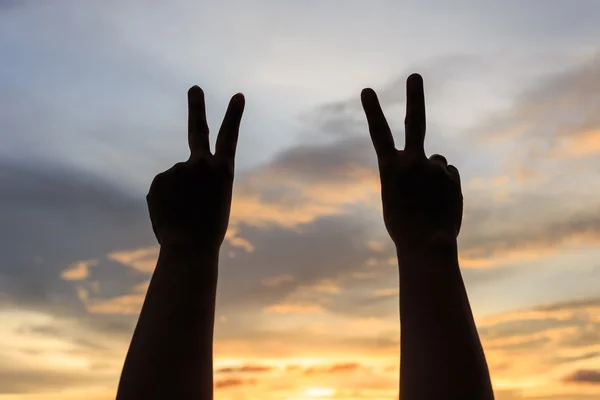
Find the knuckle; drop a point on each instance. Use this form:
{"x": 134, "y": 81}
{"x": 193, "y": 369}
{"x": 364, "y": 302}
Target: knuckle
{"x": 177, "y": 167}
{"x": 155, "y": 183}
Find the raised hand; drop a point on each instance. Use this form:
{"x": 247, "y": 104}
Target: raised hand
{"x": 422, "y": 210}
{"x": 190, "y": 203}
{"x": 422, "y": 199}
{"x": 170, "y": 355}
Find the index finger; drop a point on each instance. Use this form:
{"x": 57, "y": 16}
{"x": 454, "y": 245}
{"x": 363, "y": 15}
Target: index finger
{"x": 415, "y": 116}
{"x": 381, "y": 135}
{"x": 197, "y": 125}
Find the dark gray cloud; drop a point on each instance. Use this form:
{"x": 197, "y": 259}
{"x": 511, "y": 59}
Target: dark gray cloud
{"x": 345, "y": 123}
{"x": 523, "y": 327}
{"x": 560, "y": 335}
{"x": 233, "y": 382}
{"x": 328, "y": 247}
{"x": 50, "y": 217}
{"x": 549, "y": 120}
{"x": 525, "y": 223}
{"x": 584, "y": 376}
{"x": 354, "y": 302}
{"x": 579, "y": 357}
{"x": 569, "y": 305}
{"x": 563, "y": 104}
{"x": 576, "y": 314}
{"x": 332, "y": 162}
{"x": 86, "y": 339}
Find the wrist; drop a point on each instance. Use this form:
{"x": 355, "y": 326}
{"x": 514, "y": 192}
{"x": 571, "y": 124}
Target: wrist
{"x": 429, "y": 249}
{"x": 191, "y": 250}
{"x": 192, "y": 260}
{"x": 430, "y": 266}
{"x": 428, "y": 256}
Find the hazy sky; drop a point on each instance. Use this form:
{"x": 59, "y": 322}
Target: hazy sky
{"x": 93, "y": 105}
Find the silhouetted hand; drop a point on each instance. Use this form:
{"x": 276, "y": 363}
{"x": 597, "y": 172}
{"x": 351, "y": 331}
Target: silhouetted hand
{"x": 190, "y": 203}
{"x": 422, "y": 198}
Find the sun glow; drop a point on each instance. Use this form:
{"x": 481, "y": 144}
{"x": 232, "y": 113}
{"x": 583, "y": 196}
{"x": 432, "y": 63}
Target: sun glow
{"x": 319, "y": 392}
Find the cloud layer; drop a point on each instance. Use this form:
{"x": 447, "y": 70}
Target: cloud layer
{"x": 94, "y": 106}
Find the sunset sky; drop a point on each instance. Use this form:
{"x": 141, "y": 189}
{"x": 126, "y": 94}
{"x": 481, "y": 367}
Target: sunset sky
{"x": 93, "y": 105}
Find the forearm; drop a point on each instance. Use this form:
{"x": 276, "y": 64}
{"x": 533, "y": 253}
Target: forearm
{"x": 170, "y": 355}
{"x": 441, "y": 354}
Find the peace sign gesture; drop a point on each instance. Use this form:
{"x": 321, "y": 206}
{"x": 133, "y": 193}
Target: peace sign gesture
{"x": 422, "y": 199}
{"x": 190, "y": 203}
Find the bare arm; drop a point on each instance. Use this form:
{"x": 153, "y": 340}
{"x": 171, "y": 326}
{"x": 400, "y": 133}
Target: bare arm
{"x": 170, "y": 356}
{"x": 442, "y": 357}
{"x": 441, "y": 354}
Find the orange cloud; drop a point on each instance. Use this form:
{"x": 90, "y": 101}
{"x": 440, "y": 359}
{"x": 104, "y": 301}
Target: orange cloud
{"x": 332, "y": 369}
{"x": 141, "y": 287}
{"x": 232, "y": 237}
{"x": 534, "y": 248}
{"x": 577, "y": 309}
{"x": 583, "y": 144}
{"x": 526, "y": 174}
{"x": 295, "y": 308}
{"x": 78, "y": 271}
{"x": 306, "y": 299}
{"x": 143, "y": 260}
{"x": 130, "y": 304}
{"x": 530, "y": 349}
{"x": 250, "y": 209}
{"x": 245, "y": 369}
{"x": 469, "y": 259}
